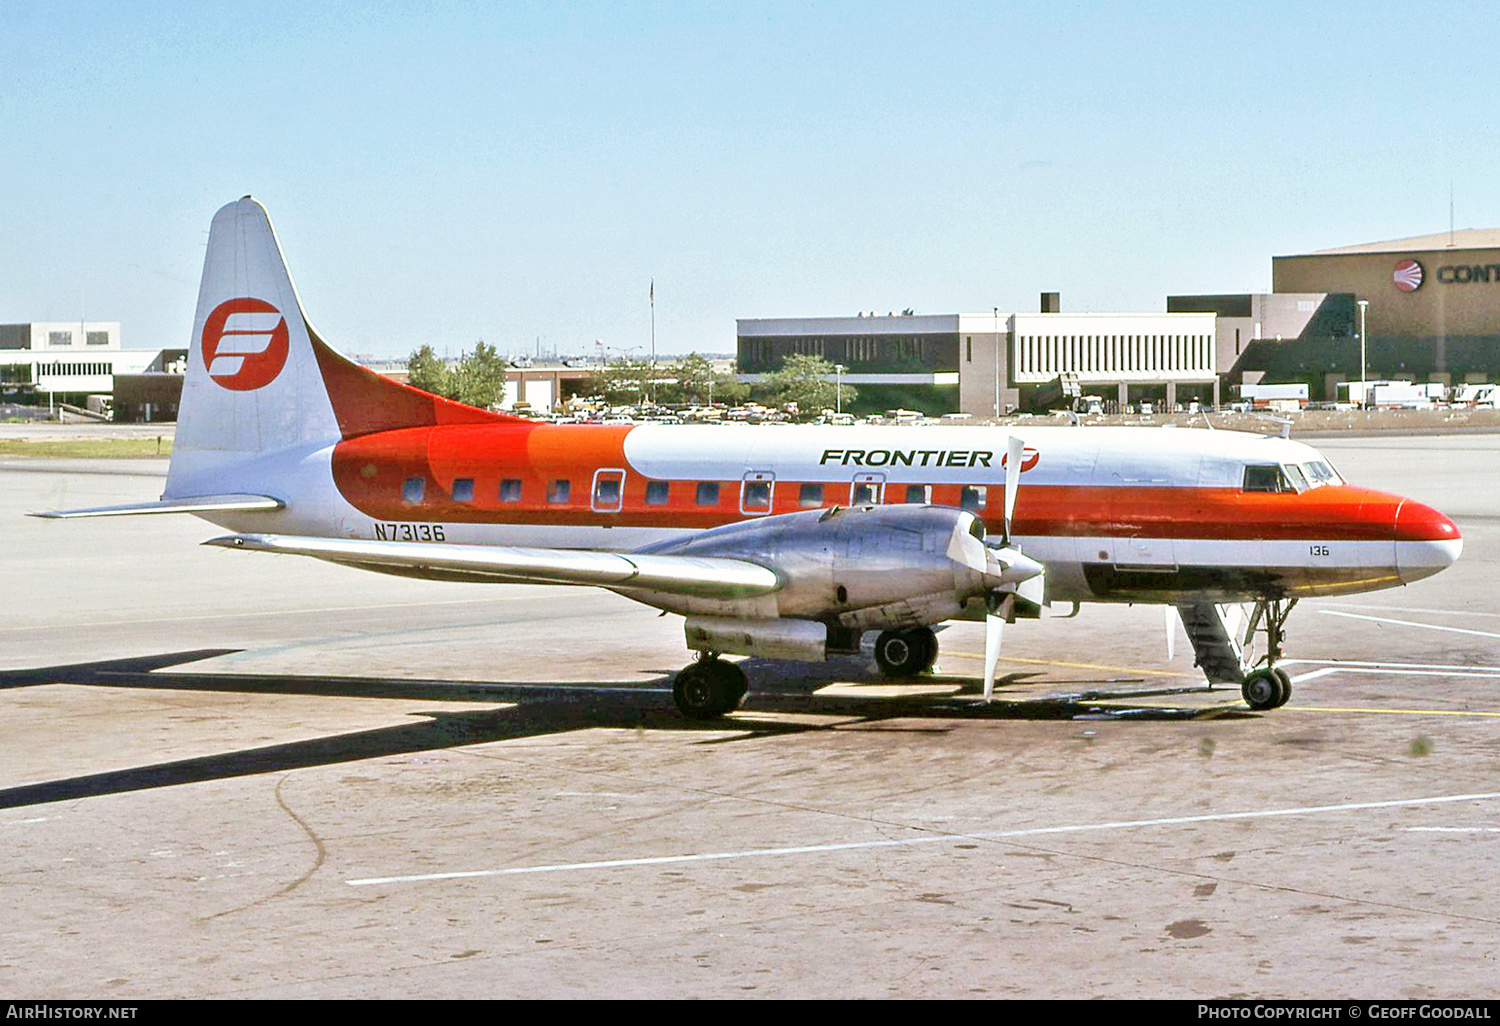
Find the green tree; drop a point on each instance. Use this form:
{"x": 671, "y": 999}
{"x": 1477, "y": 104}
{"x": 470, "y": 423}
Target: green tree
{"x": 698, "y": 382}
{"x": 425, "y": 371}
{"x": 479, "y": 378}
{"x": 620, "y": 383}
{"x": 809, "y": 382}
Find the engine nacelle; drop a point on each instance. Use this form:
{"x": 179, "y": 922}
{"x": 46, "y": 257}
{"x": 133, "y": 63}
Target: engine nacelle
{"x": 866, "y": 568}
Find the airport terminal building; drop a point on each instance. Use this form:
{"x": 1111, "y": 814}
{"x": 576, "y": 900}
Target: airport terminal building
{"x": 1429, "y": 307}
{"x": 987, "y": 362}
{"x": 68, "y": 361}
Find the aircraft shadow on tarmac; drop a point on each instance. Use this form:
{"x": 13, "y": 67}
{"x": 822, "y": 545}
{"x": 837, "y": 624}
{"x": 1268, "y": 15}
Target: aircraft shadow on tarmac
{"x": 536, "y": 709}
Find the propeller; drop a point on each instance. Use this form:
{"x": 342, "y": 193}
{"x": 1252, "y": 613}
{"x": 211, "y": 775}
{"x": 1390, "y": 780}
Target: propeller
{"x": 1168, "y": 614}
{"x": 1000, "y": 604}
{"x": 1014, "y": 454}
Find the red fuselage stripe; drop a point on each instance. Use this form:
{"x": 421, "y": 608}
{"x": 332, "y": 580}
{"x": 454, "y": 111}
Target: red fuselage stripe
{"x": 511, "y": 470}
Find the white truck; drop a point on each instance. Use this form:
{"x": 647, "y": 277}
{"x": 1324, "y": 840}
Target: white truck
{"x": 1276, "y": 397}
{"x": 1478, "y": 396}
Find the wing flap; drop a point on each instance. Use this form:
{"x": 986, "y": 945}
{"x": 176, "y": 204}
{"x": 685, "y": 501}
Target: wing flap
{"x": 685, "y": 575}
{"x": 191, "y": 504}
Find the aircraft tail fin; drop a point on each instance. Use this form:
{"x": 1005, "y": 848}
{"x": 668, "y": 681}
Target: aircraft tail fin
{"x": 260, "y": 380}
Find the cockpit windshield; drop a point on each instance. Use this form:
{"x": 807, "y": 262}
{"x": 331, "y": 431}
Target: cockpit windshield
{"x": 1320, "y": 473}
{"x": 1289, "y": 477}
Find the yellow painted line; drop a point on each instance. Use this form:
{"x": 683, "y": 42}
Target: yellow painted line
{"x": 1071, "y": 666}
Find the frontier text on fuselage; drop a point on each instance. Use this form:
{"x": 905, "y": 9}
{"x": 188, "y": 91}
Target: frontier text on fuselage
{"x": 907, "y": 457}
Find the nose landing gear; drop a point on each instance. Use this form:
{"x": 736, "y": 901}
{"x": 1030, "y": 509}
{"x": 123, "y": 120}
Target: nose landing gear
{"x": 1269, "y": 687}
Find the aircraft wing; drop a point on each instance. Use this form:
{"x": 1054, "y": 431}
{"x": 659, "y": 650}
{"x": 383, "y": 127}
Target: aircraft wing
{"x": 710, "y": 576}
{"x": 194, "y": 504}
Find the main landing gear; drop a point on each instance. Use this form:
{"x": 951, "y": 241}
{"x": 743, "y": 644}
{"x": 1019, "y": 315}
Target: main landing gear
{"x": 709, "y": 688}
{"x": 906, "y": 653}
{"x": 1269, "y": 687}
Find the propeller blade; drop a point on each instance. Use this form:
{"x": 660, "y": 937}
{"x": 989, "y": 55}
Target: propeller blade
{"x": 1013, "y": 457}
{"x": 994, "y": 630}
{"x": 1168, "y": 613}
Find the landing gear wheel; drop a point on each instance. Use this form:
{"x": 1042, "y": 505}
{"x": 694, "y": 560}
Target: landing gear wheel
{"x": 929, "y": 644}
{"x": 905, "y": 653}
{"x": 1266, "y": 688}
{"x": 1285, "y": 680}
{"x": 708, "y": 689}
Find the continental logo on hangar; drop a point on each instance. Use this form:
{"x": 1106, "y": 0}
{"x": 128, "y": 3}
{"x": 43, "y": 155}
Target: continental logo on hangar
{"x": 1408, "y": 275}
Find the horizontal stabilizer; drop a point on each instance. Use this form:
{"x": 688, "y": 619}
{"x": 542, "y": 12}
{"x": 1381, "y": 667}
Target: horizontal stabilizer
{"x": 682, "y": 575}
{"x": 192, "y": 504}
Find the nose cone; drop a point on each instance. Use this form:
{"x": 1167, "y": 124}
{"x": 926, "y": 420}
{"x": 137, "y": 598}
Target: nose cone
{"x": 1426, "y": 541}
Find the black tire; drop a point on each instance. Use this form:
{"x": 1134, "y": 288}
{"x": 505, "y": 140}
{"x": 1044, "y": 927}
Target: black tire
{"x": 1263, "y": 690}
{"x": 902, "y": 653}
{"x": 929, "y": 643}
{"x": 709, "y": 689}
{"x": 732, "y": 683}
{"x": 1285, "y": 680}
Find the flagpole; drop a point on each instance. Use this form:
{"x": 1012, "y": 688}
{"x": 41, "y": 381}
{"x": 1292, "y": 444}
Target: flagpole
{"x": 653, "y": 340}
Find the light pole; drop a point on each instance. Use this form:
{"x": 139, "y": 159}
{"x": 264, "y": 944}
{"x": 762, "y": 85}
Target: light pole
{"x": 838, "y": 394}
{"x": 1364, "y": 394}
{"x": 997, "y": 363}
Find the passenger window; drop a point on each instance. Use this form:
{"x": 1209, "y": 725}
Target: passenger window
{"x": 864, "y": 494}
{"x": 972, "y": 497}
{"x": 463, "y": 489}
{"x": 510, "y": 490}
{"x": 1265, "y": 479}
{"x": 708, "y": 493}
{"x": 607, "y": 492}
{"x": 657, "y": 493}
{"x": 413, "y": 490}
{"x": 557, "y": 492}
{"x": 920, "y": 494}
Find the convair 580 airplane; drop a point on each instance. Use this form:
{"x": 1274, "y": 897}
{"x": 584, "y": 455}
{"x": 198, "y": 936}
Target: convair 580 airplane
{"x": 787, "y": 543}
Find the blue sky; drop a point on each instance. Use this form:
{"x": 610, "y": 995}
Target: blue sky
{"x": 444, "y": 172}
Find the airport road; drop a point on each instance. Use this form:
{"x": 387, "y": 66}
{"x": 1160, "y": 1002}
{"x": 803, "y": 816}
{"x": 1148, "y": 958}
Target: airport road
{"x": 227, "y": 774}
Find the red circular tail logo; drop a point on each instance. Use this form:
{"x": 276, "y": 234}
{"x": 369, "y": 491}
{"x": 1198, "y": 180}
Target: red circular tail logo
{"x": 244, "y": 344}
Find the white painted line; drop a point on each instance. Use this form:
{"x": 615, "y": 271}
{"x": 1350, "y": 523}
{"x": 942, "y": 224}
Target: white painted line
{"x": 818, "y": 849}
{"x": 1315, "y": 674}
{"x": 1418, "y": 609}
{"x": 1410, "y": 623}
{"x": 1453, "y": 830}
{"x": 1406, "y": 673}
{"x": 269, "y": 612}
{"x": 1341, "y": 663}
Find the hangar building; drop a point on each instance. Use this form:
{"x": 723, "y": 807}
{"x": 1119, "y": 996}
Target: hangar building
{"x": 1434, "y": 301}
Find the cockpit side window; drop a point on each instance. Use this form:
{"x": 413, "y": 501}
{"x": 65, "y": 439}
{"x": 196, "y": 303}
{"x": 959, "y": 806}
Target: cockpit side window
{"x": 1265, "y": 478}
{"x": 1294, "y": 475}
